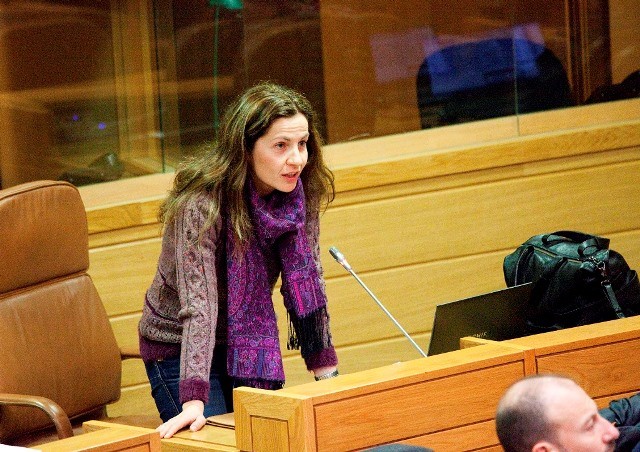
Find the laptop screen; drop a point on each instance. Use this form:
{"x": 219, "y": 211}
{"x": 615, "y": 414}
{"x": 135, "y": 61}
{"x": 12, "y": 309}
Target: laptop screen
{"x": 498, "y": 315}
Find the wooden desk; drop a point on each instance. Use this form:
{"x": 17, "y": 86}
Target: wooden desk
{"x": 446, "y": 402}
{"x": 210, "y": 438}
{"x": 603, "y": 357}
{"x": 110, "y": 439}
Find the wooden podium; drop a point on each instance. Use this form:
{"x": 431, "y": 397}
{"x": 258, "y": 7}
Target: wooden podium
{"x": 445, "y": 402}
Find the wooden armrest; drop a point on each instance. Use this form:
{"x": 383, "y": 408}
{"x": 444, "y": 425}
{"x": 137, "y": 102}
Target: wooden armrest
{"x": 52, "y": 409}
{"x": 129, "y": 352}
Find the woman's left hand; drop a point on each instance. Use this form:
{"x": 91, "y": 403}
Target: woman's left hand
{"x": 192, "y": 414}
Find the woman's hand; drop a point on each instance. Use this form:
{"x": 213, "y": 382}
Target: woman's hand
{"x": 192, "y": 414}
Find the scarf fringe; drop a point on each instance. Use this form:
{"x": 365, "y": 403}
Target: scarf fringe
{"x": 258, "y": 383}
{"x": 308, "y": 332}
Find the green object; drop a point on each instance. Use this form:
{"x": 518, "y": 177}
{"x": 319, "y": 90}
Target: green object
{"x": 229, "y": 4}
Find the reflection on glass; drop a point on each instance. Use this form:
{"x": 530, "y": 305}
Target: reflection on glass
{"x": 99, "y": 90}
{"x": 58, "y": 107}
{"x": 502, "y": 73}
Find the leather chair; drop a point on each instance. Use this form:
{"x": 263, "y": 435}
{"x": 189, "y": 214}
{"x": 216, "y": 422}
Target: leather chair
{"x": 59, "y": 360}
{"x": 489, "y": 79}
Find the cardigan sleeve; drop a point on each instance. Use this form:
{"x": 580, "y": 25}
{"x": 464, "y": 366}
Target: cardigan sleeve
{"x": 198, "y": 294}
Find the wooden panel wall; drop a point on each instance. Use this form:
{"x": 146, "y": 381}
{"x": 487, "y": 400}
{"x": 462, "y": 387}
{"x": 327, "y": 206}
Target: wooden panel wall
{"x": 424, "y": 218}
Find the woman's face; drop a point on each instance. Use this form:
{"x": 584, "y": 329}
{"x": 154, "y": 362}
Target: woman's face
{"x": 278, "y": 156}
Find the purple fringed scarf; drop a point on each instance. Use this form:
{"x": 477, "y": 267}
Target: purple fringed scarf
{"x": 253, "y": 356}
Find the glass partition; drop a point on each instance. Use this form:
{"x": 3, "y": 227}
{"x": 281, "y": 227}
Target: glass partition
{"x": 98, "y": 90}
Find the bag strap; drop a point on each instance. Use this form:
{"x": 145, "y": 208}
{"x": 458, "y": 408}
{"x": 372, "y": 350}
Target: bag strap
{"x": 611, "y": 298}
{"x": 586, "y": 241}
{"x": 607, "y": 289}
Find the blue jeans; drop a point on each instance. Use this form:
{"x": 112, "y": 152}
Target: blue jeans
{"x": 164, "y": 377}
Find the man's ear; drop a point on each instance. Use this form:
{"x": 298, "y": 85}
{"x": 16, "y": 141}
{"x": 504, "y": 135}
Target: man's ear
{"x": 543, "y": 446}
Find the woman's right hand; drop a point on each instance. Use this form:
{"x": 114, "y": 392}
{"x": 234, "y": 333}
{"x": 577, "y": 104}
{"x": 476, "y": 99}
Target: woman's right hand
{"x": 192, "y": 415}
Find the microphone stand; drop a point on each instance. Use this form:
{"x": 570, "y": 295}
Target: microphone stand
{"x": 339, "y": 257}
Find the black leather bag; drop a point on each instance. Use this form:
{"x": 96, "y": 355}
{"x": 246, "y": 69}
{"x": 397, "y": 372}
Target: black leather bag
{"x": 577, "y": 280}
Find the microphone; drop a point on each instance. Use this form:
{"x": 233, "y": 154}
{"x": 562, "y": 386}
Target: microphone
{"x": 339, "y": 257}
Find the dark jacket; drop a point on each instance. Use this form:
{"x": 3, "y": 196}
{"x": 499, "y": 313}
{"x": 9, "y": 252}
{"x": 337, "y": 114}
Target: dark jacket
{"x": 625, "y": 413}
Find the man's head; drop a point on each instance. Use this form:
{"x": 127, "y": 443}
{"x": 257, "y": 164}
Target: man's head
{"x": 547, "y": 413}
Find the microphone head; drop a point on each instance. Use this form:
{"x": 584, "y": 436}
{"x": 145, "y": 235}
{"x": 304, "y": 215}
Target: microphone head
{"x": 335, "y": 253}
{"x": 339, "y": 257}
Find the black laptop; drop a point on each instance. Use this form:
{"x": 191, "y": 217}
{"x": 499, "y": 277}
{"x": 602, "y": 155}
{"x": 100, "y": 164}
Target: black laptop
{"x": 498, "y": 315}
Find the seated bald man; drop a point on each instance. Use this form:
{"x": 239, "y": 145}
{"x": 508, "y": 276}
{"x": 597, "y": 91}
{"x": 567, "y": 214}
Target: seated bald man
{"x": 549, "y": 413}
